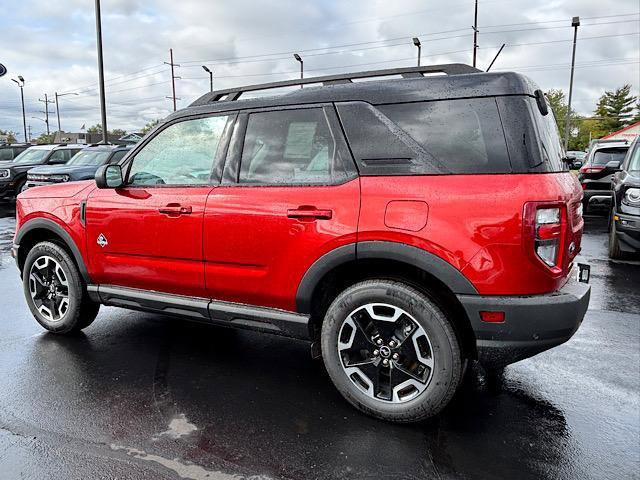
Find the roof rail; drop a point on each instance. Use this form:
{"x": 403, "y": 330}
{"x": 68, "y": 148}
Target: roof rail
{"x": 406, "y": 72}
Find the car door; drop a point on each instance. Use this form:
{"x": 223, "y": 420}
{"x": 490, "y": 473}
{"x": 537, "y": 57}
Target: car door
{"x": 290, "y": 193}
{"x": 148, "y": 234}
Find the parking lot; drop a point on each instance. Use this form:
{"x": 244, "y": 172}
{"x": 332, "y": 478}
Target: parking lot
{"x": 144, "y": 396}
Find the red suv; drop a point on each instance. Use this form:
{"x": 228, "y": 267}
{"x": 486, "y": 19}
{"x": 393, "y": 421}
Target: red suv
{"x": 403, "y": 226}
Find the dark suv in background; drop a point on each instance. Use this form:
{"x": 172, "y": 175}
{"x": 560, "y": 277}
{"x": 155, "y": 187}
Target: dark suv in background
{"x": 82, "y": 166}
{"x": 13, "y": 175}
{"x": 9, "y": 151}
{"x": 603, "y": 160}
{"x": 624, "y": 222}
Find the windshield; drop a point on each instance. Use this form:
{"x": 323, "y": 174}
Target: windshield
{"x": 31, "y": 156}
{"x": 86, "y": 158}
{"x": 634, "y": 163}
{"x": 606, "y": 155}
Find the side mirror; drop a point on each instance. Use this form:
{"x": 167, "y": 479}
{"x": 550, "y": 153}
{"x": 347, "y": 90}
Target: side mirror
{"x": 613, "y": 165}
{"x": 109, "y": 176}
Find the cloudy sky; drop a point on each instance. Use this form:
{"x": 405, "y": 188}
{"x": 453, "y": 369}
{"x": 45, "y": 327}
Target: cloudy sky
{"x": 52, "y": 45}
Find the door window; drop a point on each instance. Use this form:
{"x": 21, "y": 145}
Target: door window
{"x": 290, "y": 147}
{"x": 181, "y": 154}
{"x": 116, "y": 157}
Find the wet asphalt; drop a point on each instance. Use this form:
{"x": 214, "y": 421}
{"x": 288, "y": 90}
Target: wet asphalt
{"x": 140, "y": 396}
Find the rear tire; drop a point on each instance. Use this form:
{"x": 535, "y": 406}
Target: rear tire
{"x": 55, "y": 291}
{"x": 390, "y": 351}
{"x": 614, "y": 246}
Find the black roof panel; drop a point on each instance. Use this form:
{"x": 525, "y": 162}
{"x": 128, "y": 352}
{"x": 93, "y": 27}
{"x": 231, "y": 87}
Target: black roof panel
{"x": 440, "y": 87}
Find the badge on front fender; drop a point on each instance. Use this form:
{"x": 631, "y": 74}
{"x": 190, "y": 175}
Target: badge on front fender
{"x": 102, "y": 241}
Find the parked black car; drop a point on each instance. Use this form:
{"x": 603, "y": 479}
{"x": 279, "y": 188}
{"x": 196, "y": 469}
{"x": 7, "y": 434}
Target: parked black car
{"x": 575, "y": 159}
{"x": 624, "y": 222}
{"x": 13, "y": 175}
{"x": 603, "y": 160}
{"x": 82, "y": 166}
{"x": 9, "y": 151}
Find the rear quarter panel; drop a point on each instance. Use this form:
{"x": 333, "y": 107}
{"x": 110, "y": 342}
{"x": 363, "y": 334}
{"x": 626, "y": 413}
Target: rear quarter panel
{"x": 475, "y": 222}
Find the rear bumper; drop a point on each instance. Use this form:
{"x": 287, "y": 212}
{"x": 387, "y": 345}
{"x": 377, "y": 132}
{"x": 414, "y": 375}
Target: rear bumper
{"x": 628, "y": 232}
{"x": 532, "y": 324}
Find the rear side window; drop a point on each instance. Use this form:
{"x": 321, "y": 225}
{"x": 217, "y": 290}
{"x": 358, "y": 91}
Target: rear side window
{"x": 290, "y": 147}
{"x": 422, "y": 138}
{"x": 606, "y": 155}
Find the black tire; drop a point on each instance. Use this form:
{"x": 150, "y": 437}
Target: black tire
{"x": 80, "y": 311}
{"x": 614, "y": 247}
{"x": 20, "y": 186}
{"x": 444, "y": 348}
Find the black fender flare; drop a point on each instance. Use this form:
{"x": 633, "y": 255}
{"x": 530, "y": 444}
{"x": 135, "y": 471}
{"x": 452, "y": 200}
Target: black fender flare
{"x": 50, "y": 225}
{"x": 380, "y": 250}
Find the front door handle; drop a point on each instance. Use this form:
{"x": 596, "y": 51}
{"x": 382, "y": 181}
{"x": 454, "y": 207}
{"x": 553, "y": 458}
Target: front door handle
{"x": 310, "y": 213}
{"x": 175, "y": 210}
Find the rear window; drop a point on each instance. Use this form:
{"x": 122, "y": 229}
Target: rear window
{"x": 435, "y": 137}
{"x": 606, "y": 155}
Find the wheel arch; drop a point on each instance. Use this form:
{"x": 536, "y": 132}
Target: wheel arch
{"x": 41, "y": 229}
{"x": 350, "y": 264}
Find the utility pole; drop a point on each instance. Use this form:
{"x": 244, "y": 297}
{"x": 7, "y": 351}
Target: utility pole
{"x": 575, "y": 23}
{"x": 103, "y": 103}
{"x": 416, "y": 42}
{"x": 173, "y": 77}
{"x": 46, "y": 110}
{"x": 20, "y": 82}
{"x": 475, "y": 34}
{"x": 299, "y": 59}
{"x": 58, "y": 108}
{"x": 29, "y": 128}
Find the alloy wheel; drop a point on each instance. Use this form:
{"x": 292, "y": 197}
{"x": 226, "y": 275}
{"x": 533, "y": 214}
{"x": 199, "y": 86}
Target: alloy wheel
{"x": 385, "y": 353}
{"x": 49, "y": 288}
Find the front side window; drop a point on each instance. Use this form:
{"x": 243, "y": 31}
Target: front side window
{"x": 61, "y": 156}
{"x": 6, "y": 153}
{"x": 117, "y": 156}
{"x": 181, "y": 154}
{"x": 290, "y": 147}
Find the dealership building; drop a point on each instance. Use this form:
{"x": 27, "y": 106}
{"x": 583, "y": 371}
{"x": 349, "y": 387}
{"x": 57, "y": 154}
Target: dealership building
{"x": 627, "y": 133}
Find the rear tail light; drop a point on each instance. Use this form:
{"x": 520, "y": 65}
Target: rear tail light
{"x": 591, "y": 169}
{"x": 545, "y": 231}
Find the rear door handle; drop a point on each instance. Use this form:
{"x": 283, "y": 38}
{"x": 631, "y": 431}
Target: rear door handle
{"x": 310, "y": 213}
{"x": 174, "y": 210}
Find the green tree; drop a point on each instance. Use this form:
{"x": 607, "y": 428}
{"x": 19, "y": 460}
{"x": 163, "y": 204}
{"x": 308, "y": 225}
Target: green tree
{"x": 118, "y": 132}
{"x": 44, "y": 139}
{"x": 97, "y": 128}
{"x": 149, "y": 126}
{"x": 11, "y": 136}
{"x": 616, "y": 109}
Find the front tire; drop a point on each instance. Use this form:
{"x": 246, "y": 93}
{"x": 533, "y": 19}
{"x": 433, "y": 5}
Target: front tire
{"x": 54, "y": 290}
{"x": 614, "y": 247}
{"x": 390, "y": 351}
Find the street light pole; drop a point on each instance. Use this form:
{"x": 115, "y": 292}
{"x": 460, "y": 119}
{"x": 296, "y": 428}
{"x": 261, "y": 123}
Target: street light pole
{"x": 575, "y": 23}
{"x": 103, "y": 105}
{"x": 299, "y": 59}
{"x": 58, "y": 108}
{"x": 206, "y": 69}
{"x": 20, "y": 83}
{"x": 416, "y": 42}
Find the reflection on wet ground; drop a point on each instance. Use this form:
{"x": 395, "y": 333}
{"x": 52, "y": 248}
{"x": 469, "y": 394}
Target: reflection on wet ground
{"x": 144, "y": 396}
